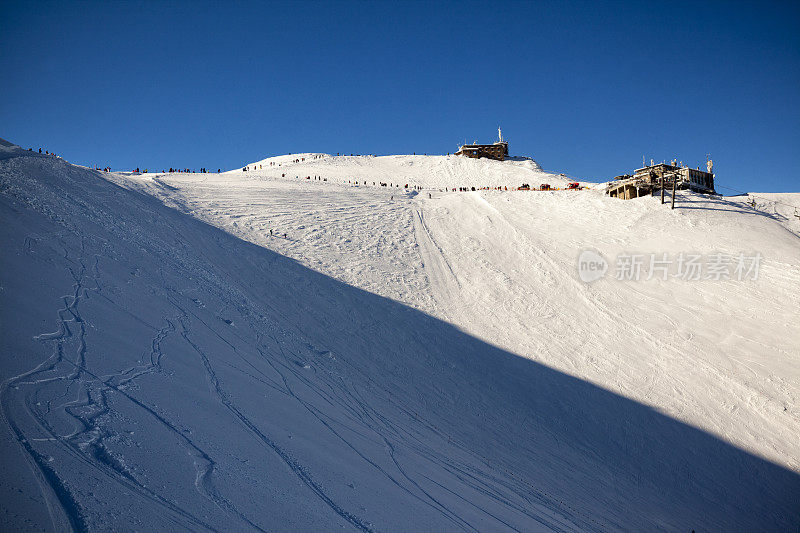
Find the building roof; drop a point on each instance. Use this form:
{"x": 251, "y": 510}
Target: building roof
{"x": 669, "y": 167}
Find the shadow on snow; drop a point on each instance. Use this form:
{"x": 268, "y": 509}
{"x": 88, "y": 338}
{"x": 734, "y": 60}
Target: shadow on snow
{"x": 587, "y": 447}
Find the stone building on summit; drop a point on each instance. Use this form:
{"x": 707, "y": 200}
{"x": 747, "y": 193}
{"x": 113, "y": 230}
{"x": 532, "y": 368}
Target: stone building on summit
{"x": 498, "y": 150}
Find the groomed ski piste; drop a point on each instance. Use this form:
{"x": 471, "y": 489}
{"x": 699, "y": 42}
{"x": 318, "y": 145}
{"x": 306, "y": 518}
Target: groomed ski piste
{"x": 251, "y": 351}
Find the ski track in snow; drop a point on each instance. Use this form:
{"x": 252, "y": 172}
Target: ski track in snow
{"x": 86, "y": 443}
{"x": 497, "y": 265}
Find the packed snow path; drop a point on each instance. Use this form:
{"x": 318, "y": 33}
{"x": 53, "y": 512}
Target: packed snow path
{"x": 397, "y": 362}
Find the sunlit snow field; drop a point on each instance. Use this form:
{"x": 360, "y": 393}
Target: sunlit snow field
{"x": 402, "y": 359}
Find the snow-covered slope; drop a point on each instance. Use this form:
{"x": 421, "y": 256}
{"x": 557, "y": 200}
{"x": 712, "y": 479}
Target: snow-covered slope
{"x": 437, "y": 172}
{"x": 397, "y": 361}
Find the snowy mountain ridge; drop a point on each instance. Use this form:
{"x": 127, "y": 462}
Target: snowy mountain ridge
{"x": 396, "y": 361}
{"x": 430, "y": 171}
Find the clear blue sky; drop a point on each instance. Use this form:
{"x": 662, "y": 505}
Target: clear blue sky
{"x": 586, "y": 88}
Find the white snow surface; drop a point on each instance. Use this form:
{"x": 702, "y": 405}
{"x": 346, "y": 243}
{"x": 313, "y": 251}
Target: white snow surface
{"x": 401, "y": 360}
{"x": 401, "y": 170}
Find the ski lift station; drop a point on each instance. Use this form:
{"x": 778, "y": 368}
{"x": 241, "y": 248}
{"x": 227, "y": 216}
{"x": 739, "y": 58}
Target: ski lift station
{"x": 648, "y": 179}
